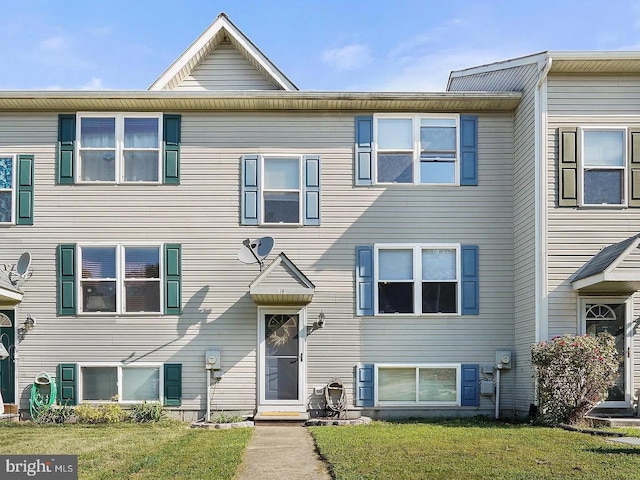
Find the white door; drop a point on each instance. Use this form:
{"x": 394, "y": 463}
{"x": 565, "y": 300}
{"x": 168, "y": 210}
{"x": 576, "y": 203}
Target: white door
{"x": 611, "y": 315}
{"x": 281, "y": 359}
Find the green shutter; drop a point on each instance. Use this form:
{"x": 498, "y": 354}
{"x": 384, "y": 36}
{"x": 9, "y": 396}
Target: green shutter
{"x": 568, "y": 158}
{"x": 173, "y": 384}
{"x": 24, "y": 195}
{"x": 66, "y": 276}
{"x": 171, "y": 139}
{"x": 634, "y": 167}
{"x": 67, "y": 379}
{"x": 66, "y": 148}
{"x": 172, "y": 279}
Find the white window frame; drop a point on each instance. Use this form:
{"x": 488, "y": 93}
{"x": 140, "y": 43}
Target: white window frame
{"x": 417, "y": 366}
{"x": 119, "y": 146}
{"x": 417, "y": 249}
{"x": 14, "y": 166}
{"x": 120, "y": 277}
{"x": 119, "y": 366}
{"x": 299, "y": 190}
{"x": 624, "y": 168}
{"x": 416, "y": 118}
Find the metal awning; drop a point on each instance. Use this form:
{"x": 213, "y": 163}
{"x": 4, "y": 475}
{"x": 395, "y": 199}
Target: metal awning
{"x": 10, "y": 295}
{"x": 615, "y": 269}
{"x": 281, "y": 283}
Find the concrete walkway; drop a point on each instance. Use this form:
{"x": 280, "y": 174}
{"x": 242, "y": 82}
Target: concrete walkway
{"x": 282, "y": 452}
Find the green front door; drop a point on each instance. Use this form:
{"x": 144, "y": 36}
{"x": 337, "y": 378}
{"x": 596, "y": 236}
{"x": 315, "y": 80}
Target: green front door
{"x": 7, "y": 366}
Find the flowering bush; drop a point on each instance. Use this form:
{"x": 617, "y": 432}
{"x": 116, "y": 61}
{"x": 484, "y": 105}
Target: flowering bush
{"x": 574, "y": 374}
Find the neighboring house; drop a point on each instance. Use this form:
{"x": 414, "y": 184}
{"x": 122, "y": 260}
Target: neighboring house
{"x": 576, "y": 216}
{"x": 420, "y": 230}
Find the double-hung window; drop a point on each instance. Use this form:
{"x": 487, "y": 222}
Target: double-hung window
{"x": 120, "y": 278}
{"x": 604, "y": 166}
{"x": 120, "y": 383}
{"x": 7, "y": 188}
{"x": 280, "y": 190}
{"x": 416, "y": 149}
{"x": 417, "y": 279}
{"x": 121, "y": 148}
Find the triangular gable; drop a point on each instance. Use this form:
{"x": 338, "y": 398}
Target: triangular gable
{"x": 615, "y": 269}
{"x": 282, "y": 283}
{"x": 220, "y": 34}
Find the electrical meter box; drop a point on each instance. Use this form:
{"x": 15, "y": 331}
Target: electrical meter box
{"x": 212, "y": 359}
{"x": 504, "y": 358}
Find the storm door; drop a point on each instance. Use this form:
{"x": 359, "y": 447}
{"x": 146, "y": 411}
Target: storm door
{"x": 281, "y": 348}
{"x": 610, "y": 316}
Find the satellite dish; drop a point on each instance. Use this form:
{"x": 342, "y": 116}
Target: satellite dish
{"x": 253, "y": 251}
{"x": 21, "y": 272}
{"x": 23, "y": 264}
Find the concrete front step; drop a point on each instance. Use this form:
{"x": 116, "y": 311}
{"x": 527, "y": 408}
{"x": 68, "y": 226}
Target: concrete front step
{"x": 281, "y": 417}
{"x": 614, "y": 421}
{"x": 11, "y": 409}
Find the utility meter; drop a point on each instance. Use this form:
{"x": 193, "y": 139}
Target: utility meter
{"x": 212, "y": 359}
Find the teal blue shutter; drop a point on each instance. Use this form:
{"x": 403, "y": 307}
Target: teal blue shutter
{"x": 24, "y": 196}
{"x": 470, "y": 282}
{"x": 364, "y": 385}
{"x": 364, "y": 150}
{"x": 470, "y": 385}
{"x": 250, "y": 190}
{"x": 66, "y": 148}
{"x": 67, "y": 379}
{"x": 311, "y": 191}
{"x": 364, "y": 280}
{"x": 172, "y": 279}
{"x": 173, "y": 384}
{"x": 171, "y": 137}
{"x": 468, "y": 150}
{"x": 66, "y": 276}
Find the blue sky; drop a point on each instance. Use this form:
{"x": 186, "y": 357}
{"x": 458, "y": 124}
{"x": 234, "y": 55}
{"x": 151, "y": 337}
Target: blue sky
{"x": 403, "y": 45}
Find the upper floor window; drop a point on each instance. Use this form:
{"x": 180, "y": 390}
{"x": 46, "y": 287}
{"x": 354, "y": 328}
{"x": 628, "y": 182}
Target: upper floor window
{"x": 417, "y": 279}
{"x": 604, "y": 168}
{"x": 430, "y": 149}
{"x": 119, "y": 148}
{"x": 120, "y": 279}
{"x": 280, "y": 190}
{"x": 599, "y": 166}
{"x": 7, "y": 188}
{"x": 416, "y": 149}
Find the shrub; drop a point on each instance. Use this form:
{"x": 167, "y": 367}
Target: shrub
{"x": 148, "y": 412}
{"x": 52, "y": 414}
{"x": 574, "y": 374}
{"x": 107, "y": 413}
{"x": 223, "y": 417}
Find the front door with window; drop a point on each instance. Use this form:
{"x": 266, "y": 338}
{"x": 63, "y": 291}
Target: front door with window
{"x": 7, "y": 365}
{"x": 610, "y": 316}
{"x": 281, "y": 360}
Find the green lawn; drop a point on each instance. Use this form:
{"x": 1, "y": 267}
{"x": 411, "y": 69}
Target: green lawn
{"x": 473, "y": 449}
{"x": 121, "y": 451}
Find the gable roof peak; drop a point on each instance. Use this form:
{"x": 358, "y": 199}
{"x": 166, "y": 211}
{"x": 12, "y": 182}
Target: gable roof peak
{"x": 221, "y": 29}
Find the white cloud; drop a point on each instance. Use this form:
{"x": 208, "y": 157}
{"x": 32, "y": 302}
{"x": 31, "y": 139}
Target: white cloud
{"x": 52, "y": 43}
{"x": 430, "y": 72}
{"x": 93, "y": 84}
{"x": 348, "y": 57}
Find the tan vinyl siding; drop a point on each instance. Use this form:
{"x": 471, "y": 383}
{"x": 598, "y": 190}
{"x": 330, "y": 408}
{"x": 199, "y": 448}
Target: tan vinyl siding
{"x": 631, "y": 262}
{"x": 225, "y": 69}
{"x": 202, "y": 214}
{"x": 594, "y": 95}
{"x": 577, "y": 234}
{"x": 520, "y": 78}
